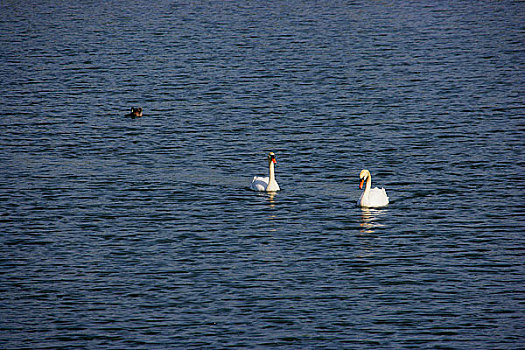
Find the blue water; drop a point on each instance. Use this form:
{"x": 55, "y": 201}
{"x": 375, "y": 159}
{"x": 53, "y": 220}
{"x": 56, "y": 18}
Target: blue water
{"x": 119, "y": 233}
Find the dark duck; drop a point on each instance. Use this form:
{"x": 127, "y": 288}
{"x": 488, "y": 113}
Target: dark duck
{"x": 135, "y": 112}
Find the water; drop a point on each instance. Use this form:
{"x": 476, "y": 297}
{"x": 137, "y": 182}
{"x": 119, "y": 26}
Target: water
{"x": 142, "y": 233}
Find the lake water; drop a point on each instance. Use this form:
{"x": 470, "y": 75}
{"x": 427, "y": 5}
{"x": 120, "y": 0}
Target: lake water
{"x": 120, "y": 233}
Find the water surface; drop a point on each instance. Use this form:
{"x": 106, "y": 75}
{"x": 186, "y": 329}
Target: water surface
{"x": 143, "y": 233}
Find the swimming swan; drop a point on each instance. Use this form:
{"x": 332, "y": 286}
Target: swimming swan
{"x": 371, "y": 198}
{"x": 268, "y": 184}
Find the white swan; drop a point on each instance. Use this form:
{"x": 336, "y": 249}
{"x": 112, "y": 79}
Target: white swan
{"x": 268, "y": 184}
{"x": 371, "y": 197}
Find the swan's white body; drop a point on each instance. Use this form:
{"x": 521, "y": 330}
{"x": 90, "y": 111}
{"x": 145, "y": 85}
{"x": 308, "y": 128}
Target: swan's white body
{"x": 268, "y": 183}
{"x": 371, "y": 197}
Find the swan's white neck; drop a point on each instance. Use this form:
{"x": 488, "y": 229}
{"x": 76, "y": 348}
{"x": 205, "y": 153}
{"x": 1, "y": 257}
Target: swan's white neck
{"x": 272, "y": 184}
{"x": 272, "y": 172}
{"x": 368, "y": 184}
{"x": 363, "y": 201}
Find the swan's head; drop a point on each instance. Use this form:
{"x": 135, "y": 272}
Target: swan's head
{"x": 363, "y": 176}
{"x": 271, "y": 158}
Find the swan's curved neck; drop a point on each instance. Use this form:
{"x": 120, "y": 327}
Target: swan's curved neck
{"x": 368, "y": 184}
{"x": 272, "y": 171}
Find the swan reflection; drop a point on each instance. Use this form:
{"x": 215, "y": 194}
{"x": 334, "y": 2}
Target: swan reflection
{"x": 271, "y": 196}
{"x": 369, "y": 218}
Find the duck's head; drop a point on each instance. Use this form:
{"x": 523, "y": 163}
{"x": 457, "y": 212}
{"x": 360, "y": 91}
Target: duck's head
{"x": 271, "y": 158}
{"x": 363, "y": 175}
{"x": 135, "y": 112}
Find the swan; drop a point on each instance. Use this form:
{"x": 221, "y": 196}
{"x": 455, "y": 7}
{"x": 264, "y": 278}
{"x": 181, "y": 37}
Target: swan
{"x": 371, "y": 197}
{"x": 268, "y": 184}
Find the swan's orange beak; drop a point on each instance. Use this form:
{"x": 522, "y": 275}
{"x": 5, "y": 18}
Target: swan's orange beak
{"x": 361, "y": 183}
{"x": 271, "y": 157}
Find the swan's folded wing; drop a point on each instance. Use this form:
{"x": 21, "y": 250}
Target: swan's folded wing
{"x": 378, "y": 197}
{"x": 259, "y": 183}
